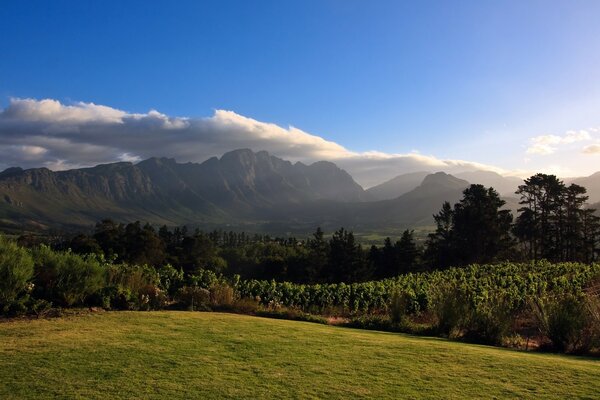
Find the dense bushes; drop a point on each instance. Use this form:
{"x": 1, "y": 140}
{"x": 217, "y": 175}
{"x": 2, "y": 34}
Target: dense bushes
{"x": 572, "y": 323}
{"x": 65, "y": 277}
{"x": 16, "y": 270}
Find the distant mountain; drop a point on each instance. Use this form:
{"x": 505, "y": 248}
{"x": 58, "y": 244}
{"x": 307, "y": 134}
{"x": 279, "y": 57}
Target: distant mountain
{"x": 415, "y": 208}
{"x": 240, "y": 185}
{"x": 241, "y": 188}
{"x": 418, "y": 206}
{"x": 591, "y": 183}
{"x": 504, "y": 185}
{"x": 397, "y": 186}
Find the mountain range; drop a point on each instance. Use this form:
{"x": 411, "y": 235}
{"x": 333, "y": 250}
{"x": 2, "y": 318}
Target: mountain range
{"x": 241, "y": 188}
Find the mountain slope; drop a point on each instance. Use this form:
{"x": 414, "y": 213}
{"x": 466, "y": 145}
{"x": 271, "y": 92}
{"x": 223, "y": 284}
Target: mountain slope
{"x": 241, "y": 187}
{"x": 397, "y": 186}
{"x": 504, "y": 185}
{"x": 415, "y": 208}
{"x": 591, "y": 183}
{"x": 241, "y": 184}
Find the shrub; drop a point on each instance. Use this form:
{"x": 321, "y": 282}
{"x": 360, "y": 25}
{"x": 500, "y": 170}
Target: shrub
{"x": 66, "y": 277}
{"x": 133, "y": 287}
{"x": 373, "y": 322}
{"x": 291, "y": 314}
{"x": 246, "y": 306}
{"x": 204, "y": 278}
{"x": 152, "y": 297}
{"x": 398, "y": 308}
{"x": 193, "y": 298}
{"x": 489, "y": 321}
{"x": 450, "y": 307}
{"x": 568, "y": 321}
{"x": 39, "y": 307}
{"x": 169, "y": 279}
{"x": 221, "y": 295}
{"x": 16, "y": 270}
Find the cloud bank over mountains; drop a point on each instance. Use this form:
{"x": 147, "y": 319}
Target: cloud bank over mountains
{"x": 36, "y": 133}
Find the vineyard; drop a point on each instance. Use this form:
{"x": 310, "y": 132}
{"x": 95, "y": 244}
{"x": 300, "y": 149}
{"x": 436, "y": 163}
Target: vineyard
{"x": 516, "y": 284}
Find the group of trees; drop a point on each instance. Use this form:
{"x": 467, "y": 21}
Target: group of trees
{"x": 475, "y": 230}
{"x": 553, "y": 223}
{"x": 317, "y": 259}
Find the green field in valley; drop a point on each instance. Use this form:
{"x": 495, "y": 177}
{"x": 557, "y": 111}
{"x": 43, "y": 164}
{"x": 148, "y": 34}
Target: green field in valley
{"x": 212, "y": 355}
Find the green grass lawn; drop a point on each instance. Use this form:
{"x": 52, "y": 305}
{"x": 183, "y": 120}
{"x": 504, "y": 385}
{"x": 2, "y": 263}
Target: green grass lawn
{"x": 210, "y": 355}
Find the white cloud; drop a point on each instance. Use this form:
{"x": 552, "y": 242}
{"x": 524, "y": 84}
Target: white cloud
{"x": 549, "y": 144}
{"x": 48, "y": 133}
{"x": 592, "y": 149}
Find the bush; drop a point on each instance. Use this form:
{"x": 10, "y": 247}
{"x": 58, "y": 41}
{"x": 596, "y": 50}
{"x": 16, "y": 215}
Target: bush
{"x": 489, "y": 322}
{"x": 291, "y": 314}
{"x": 221, "y": 295}
{"x": 66, "y": 277}
{"x": 152, "y": 297}
{"x": 373, "y": 322}
{"x": 133, "y": 287}
{"x": 570, "y": 322}
{"x": 398, "y": 308}
{"x": 485, "y": 319}
{"x": 16, "y": 270}
{"x": 170, "y": 279}
{"x": 450, "y": 307}
{"x": 114, "y": 297}
{"x": 193, "y": 298}
{"x": 246, "y": 306}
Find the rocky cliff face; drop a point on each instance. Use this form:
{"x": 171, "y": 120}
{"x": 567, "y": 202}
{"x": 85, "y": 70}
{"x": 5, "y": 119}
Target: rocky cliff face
{"x": 239, "y": 184}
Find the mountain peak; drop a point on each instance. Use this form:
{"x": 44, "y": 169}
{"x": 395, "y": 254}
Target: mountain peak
{"x": 443, "y": 179}
{"x": 10, "y": 172}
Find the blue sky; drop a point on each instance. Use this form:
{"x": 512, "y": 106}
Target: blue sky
{"x": 469, "y": 80}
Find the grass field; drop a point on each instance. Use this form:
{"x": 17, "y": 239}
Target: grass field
{"x": 211, "y": 355}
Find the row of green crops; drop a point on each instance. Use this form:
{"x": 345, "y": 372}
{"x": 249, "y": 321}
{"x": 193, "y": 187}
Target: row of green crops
{"x": 516, "y": 283}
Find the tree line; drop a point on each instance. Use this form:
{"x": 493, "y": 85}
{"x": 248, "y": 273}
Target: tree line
{"x": 553, "y": 223}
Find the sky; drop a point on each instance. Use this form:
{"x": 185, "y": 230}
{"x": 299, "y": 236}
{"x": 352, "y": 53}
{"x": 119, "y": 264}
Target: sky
{"x": 379, "y": 87}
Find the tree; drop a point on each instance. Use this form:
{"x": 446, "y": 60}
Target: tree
{"x": 481, "y": 229}
{"x": 476, "y": 230}
{"x": 347, "y": 262}
{"x": 590, "y": 235}
{"x": 551, "y": 220}
{"x": 406, "y": 251}
{"x": 438, "y": 251}
{"x": 318, "y": 257}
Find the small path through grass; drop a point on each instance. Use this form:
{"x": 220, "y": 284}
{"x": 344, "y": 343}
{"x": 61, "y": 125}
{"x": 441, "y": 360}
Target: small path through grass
{"x": 183, "y": 355}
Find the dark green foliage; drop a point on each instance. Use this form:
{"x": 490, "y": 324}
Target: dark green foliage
{"x": 347, "y": 261}
{"x": 170, "y": 279}
{"x": 65, "y": 277}
{"x": 16, "y": 271}
{"x": 476, "y": 230}
{"x": 132, "y": 287}
{"x": 490, "y": 320}
{"x": 571, "y": 322}
{"x": 395, "y": 259}
{"x": 450, "y": 306}
{"x": 291, "y": 314}
{"x": 553, "y": 222}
